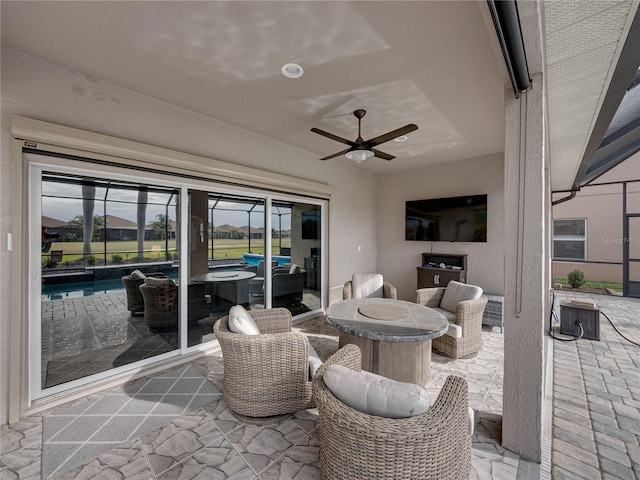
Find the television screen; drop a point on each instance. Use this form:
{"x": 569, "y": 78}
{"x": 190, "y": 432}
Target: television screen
{"x": 311, "y": 225}
{"x": 454, "y": 219}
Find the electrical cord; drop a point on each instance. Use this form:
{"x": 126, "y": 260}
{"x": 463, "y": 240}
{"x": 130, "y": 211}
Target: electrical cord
{"x": 553, "y": 314}
{"x": 579, "y": 323}
{"x": 619, "y": 332}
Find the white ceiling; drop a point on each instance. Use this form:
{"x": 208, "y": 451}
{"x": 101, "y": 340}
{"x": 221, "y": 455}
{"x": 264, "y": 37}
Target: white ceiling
{"x": 435, "y": 64}
{"x": 430, "y": 63}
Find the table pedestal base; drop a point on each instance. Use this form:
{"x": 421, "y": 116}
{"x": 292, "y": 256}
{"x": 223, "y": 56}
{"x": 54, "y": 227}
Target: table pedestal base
{"x": 403, "y": 361}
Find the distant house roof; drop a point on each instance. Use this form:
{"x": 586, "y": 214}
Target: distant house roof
{"x": 245, "y": 229}
{"x": 49, "y": 222}
{"x": 119, "y": 222}
{"x": 224, "y": 228}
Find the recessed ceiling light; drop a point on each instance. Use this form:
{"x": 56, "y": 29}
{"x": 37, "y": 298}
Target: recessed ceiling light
{"x": 400, "y": 139}
{"x": 292, "y": 70}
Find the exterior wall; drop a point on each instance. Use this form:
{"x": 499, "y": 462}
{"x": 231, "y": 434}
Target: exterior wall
{"x": 398, "y": 258}
{"x": 526, "y": 254}
{"x": 41, "y": 90}
{"x": 602, "y": 206}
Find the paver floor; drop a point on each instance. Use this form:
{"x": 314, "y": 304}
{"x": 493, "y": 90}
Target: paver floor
{"x": 596, "y": 418}
{"x": 596, "y": 396}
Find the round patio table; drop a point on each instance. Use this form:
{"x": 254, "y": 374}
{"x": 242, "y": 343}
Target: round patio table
{"x": 233, "y": 277}
{"x": 394, "y": 336}
{"x": 225, "y": 276}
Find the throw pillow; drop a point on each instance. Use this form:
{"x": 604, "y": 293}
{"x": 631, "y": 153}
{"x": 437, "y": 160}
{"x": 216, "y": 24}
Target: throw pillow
{"x": 457, "y": 292}
{"x": 137, "y": 275}
{"x": 294, "y": 269}
{"x": 314, "y": 361}
{"x": 159, "y": 281}
{"x": 241, "y": 322}
{"x": 375, "y": 395}
{"x": 367, "y": 285}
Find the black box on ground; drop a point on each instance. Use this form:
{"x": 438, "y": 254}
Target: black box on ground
{"x": 571, "y": 313}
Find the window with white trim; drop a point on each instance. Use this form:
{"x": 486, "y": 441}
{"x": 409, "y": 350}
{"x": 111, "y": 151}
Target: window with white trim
{"x": 570, "y": 239}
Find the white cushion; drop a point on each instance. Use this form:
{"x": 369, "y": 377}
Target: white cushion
{"x": 294, "y": 268}
{"x": 137, "y": 275}
{"x": 367, "y": 285}
{"x": 241, "y": 322}
{"x": 375, "y": 395}
{"x": 314, "y": 361}
{"x": 158, "y": 281}
{"x": 457, "y": 292}
{"x": 454, "y": 330}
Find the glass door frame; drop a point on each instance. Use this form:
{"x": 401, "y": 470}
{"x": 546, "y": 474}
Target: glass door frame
{"x": 44, "y": 162}
{"x": 36, "y": 169}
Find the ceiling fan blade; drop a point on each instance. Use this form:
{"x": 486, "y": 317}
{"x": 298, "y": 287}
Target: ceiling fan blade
{"x": 384, "y": 156}
{"x": 391, "y": 135}
{"x": 337, "y": 154}
{"x": 333, "y": 137}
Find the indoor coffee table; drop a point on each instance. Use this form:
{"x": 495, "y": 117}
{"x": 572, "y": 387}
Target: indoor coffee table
{"x": 394, "y": 336}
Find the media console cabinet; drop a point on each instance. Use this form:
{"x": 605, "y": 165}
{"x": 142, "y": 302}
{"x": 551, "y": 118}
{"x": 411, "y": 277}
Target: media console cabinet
{"x": 431, "y": 274}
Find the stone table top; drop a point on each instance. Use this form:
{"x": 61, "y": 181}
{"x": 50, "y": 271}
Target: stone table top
{"x": 415, "y": 323}
{"x": 225, "y": 276}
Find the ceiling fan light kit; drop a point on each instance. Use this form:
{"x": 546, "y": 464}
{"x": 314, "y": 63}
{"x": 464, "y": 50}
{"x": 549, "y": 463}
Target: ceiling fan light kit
{"x": 359, "y": 155}
{"x": 359, "y": 150}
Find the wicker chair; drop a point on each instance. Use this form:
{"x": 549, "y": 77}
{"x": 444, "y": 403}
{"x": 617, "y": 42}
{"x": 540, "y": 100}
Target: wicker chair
{"x": 354, "y": 445}
{"x": 468, "y": 316}
{"x": 267, "y": 374}
{"x": 388, "y": 290}
{"x": 135, "y": 302}
{"x": 160, "y": 306}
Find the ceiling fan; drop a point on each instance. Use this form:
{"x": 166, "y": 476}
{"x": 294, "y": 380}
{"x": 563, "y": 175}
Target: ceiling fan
{"x": 359, "y": 150}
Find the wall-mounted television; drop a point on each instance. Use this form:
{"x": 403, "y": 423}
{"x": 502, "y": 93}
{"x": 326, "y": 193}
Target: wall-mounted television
{"x": 311, "y": 225}
{"x": 453, "y": 219}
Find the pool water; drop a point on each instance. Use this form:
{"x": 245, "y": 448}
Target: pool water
{"x": 254, "y": 258}
{"x": 83, "y": 289}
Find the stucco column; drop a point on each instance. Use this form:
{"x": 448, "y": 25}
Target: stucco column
{"x": 526, "y": 270}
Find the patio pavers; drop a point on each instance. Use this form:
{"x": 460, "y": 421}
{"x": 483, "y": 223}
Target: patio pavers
{"x": 596, "y": 397}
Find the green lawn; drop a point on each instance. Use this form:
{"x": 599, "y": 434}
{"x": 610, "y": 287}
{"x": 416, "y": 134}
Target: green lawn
{"x": 155, "y": 249}
{"x": 592, "y": 284}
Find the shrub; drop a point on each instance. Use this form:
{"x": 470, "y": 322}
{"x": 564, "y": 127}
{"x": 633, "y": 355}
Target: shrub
{"x": 576, "y": 278}
{"x": 116, "y": 258}
{"x": 50, "y": 264}
{"x": 91, "y": 260}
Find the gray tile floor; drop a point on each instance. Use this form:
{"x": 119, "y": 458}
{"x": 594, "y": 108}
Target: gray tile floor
{"x": 596, "y": 419}
{"x": 596, "y": 400}
{"x": 211, "y": 443}
{"x": 71, "y": 435}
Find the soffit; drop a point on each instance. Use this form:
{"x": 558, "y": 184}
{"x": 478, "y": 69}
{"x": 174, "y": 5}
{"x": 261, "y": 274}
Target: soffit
{"x": 583, "y": 43}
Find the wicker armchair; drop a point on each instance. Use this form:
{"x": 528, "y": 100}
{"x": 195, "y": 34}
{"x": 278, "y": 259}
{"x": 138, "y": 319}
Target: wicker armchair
{"x": 160, "y": 305}
{"x": 135, "y": 302}
{"x": 354, "y": 445}
{"x": 267, "y": 374}
{"x": 468, "y": 317}
{"x": 388, "y": 290}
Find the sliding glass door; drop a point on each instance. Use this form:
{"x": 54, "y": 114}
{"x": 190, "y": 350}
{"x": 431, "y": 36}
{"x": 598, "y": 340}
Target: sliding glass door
{"x": 100, "y": 239}
{"x": 129, "y": 271}
{"x": 226, "y": 258}
{"x": 296, "y": 232}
